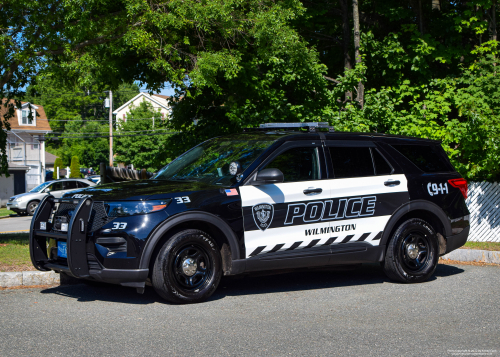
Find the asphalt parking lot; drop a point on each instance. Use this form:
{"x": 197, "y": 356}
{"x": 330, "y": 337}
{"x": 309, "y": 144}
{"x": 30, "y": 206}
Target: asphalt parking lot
{"x": 333, "y": 312}
{"x": 15, "y": 224}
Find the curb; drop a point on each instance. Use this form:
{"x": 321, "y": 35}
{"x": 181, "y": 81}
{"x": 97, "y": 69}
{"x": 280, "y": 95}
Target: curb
{"x": 28, "y": 278}
{"x": 9, "y": 216}
{"x": 472, "y": 255}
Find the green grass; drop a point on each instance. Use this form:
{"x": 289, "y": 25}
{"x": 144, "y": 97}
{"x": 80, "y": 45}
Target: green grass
{"x": 482, "y": 246}
{"x": 14, "y": 252}
{"x": 5, "y": 212}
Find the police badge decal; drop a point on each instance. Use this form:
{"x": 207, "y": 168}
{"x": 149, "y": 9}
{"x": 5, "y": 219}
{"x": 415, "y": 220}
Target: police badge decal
{"x": 263, "y": 215}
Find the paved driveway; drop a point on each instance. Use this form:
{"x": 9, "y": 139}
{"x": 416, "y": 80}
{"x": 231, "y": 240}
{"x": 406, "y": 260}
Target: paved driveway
{"x": 314, "y": 313}
{"x": 15, "y": 224}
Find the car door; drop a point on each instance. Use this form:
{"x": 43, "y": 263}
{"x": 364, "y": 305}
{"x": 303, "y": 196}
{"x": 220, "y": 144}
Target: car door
{"x": 365, "y": 192}
{"x": 278, "y": 217}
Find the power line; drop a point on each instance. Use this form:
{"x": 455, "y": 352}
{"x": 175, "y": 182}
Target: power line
{"x": 107, "y": 136}
{"x": 98, "y": 132}
{"x": 94, "y": 120}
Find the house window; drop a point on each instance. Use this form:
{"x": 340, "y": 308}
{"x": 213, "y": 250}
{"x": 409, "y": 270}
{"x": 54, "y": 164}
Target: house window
{"x": 34, "y": 146}
{"x": 17, "y": 154}
{"x": 26, "y": 119}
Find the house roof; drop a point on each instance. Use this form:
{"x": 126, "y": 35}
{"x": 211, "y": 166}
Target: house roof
{"x": 161, "y": 96}
{"x": 146, "y": 96}
{"x": 42, "y": 124}
{"x": 50, "y": 159}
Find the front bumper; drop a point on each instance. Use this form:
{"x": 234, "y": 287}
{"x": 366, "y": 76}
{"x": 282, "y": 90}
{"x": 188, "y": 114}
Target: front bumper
{"x": 79, "y": 262}
{"x": 456, "y": 241}
{"x": 16, "y": 206}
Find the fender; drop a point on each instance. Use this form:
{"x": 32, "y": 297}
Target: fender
{"x": 184, "y": 217}
{"x": 422, "y": 205}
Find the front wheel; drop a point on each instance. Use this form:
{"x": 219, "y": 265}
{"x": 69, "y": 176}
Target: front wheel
{"x": 188, "y": 267}
{"x": 31, "y": 207}
{"x": 412, "y": 252}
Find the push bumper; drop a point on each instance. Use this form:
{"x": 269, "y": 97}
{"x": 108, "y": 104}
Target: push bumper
{"x": 456, "y": 241}
{"x": 77, "y": 263}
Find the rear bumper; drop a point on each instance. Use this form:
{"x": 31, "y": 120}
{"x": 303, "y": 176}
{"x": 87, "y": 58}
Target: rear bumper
{"x": 456, "y": 241}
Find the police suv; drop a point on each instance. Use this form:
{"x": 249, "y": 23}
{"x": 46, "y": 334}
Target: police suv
{"x": 277, "y": 197}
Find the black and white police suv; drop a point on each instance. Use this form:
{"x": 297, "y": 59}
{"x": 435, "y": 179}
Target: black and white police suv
{"x": 269, "y": 198}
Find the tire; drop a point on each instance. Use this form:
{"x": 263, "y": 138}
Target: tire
{"x": 31, "y": 207}
{"x": 412, "y": 252}
{"x": 188, "y": 267}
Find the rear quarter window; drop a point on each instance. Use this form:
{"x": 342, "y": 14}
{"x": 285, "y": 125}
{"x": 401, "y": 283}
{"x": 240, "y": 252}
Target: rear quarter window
{"x": 428, "y": 158}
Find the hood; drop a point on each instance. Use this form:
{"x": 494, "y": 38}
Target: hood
{"x": 140, "y": 190}
{"x": 26, "y": 194}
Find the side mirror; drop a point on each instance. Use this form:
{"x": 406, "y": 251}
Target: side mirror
{"x": 270, "y": 176}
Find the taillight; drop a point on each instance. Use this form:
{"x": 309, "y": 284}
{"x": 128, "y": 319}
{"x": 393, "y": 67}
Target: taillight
{"x": 461, "y": 184}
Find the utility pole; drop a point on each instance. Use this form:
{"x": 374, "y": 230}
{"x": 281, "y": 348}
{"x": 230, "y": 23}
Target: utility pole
{"x": 110, "y": 128}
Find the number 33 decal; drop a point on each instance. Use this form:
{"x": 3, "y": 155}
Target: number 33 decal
{"x": 434, "y": 189}
{"x": 119, "y": 225}
{"x": 183, "y": 199}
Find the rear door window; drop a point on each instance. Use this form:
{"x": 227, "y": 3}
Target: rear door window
{"x": 70, "y": 185}
{"x": 382, "y": 167}
{"x": 351, "y": 162}
{"x": 427, "y": 158}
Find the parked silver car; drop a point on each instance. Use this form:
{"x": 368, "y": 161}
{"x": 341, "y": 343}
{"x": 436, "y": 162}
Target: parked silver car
{"x": 26, "y": 203}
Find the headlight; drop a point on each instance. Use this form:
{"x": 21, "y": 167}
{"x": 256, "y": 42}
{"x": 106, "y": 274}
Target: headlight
{"x": 132, "y": 208}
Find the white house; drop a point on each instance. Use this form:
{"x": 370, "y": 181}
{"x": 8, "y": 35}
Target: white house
{"x": 158, "y": 101}
{"x": 26, "y": 141}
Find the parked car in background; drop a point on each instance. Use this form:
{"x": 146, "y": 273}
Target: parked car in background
{"x": 26, "y": 203}
{"x": 87, "y": 172}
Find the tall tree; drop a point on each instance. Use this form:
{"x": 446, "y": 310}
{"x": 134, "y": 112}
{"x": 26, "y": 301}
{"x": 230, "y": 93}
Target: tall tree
{"x": 357, "y": 54}
{"x": 346, "y": 39}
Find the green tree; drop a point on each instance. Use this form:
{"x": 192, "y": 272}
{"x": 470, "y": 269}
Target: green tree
{"x": 75, "y": 168}
{"x": 143, "y": 142}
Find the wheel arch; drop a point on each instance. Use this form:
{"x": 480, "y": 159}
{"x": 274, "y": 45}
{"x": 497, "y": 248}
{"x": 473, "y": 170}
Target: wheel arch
{"x": 213, "y": 225}
{"x": 423, "y": 209}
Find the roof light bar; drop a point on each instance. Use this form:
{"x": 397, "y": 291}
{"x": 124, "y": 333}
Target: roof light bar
{"x": 295, "y": 125}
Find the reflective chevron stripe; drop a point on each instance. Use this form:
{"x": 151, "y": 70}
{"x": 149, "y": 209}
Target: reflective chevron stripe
{"x": 314, "y": 243}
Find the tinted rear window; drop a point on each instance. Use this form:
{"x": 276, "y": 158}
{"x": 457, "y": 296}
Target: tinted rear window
{"x": 427, "y": 158}
{"x": 351, "y": 161}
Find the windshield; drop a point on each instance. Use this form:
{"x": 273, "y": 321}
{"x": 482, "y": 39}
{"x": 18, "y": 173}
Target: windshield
{"x": 209, "y": 161}
{"x": 39, "y": 188}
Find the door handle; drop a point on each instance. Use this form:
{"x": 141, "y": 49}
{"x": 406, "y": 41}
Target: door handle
{"x": 392, "y": 183}
{"x": 313, "y": 191}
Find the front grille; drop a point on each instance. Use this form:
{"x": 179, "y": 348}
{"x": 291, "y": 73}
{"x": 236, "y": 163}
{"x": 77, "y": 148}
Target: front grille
{"x": 98, "y": 217}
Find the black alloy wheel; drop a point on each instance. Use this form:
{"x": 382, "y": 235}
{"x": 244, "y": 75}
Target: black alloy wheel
{"x": 412, "y": 252}
{"x": 192, "y": 266}
{"x": 31, "y": 207}
{"x": 414, "y": 249}
{"x": 188, "y": 267}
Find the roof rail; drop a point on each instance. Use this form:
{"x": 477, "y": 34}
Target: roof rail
{"x": 312, "y": 126}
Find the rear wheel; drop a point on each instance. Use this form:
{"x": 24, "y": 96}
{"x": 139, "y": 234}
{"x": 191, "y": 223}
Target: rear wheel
{"x": 412, "y": 253}
{"x": 188, "y": 267}
{"x": 31, "y": 207}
